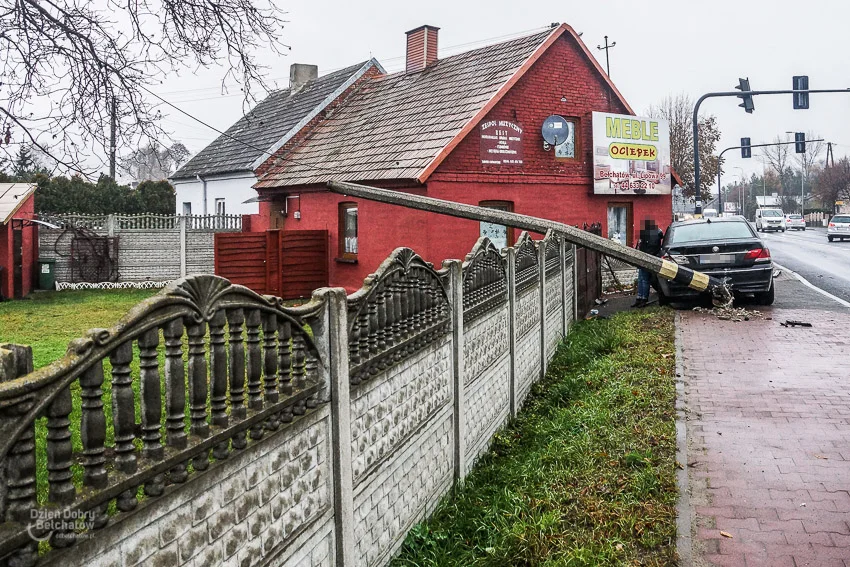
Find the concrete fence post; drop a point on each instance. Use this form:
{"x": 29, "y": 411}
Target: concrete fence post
{"x": 575, "y": 283}
{"x": 343, "y": 478}
{"x": 511, "y": 261}
{"x": 110, "y": 225}
{"x": 181, "y": 223}
{"x": 562, "y": 261}
{"x": 455, "y": 268}
{"x": 541, "y": 278}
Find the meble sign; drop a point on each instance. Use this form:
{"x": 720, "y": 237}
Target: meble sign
{"x": 631, "y": 155}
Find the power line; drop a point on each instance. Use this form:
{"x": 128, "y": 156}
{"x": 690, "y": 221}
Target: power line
{"x": 235, "y": 139}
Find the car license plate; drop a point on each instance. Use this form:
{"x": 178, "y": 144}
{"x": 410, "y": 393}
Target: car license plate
{"x": 841, "y": 228}
{"x": 716, "y": 258}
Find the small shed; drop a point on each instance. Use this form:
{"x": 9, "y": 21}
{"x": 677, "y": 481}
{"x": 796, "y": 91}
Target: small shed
{"x": 18, "y": 239}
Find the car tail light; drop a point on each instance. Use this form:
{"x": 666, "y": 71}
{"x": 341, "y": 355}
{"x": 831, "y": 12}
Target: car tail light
{"x": 758, "y": 255}
{"x": 832, "y": 225}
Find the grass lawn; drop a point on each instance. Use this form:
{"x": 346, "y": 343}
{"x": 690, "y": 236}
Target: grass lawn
{"x": 585, "y": 476}
{"x": 50, "y": 320}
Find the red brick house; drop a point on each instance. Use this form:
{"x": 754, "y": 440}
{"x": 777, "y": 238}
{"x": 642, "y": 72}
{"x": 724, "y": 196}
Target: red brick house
{"x": 429, "y": 129}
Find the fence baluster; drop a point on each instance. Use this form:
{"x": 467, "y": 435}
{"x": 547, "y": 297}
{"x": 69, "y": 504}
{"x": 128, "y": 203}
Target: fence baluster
{"x": 175, "y": 394}
{"x": 236, "y": 370}
{"x": 59, "y": 459}
{"x": 218, "y": 396}
{"x": 285, "y": 367}
{"x": 93, "y": 426}
{"x": 198, "y": 388}
{"x": 151, "y": 405}
{"x": 124, "y": 420}
{"x": 298, "y": 368}
{"x": 254, "y": 367}
{"x": 270, "y": 366}
{"x": 20, "y": 482}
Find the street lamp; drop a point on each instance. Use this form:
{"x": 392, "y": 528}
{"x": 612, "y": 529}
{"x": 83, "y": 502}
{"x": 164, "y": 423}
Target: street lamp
{"x": 741, "y": 192}
{"x": 802, "y": 181}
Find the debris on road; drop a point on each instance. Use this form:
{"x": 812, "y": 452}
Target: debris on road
{"x": 789, "y": 323}
{"x": 730, "y": 313}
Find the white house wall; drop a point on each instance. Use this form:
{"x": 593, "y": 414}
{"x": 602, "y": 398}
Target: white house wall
{"x": 234, "y": 189}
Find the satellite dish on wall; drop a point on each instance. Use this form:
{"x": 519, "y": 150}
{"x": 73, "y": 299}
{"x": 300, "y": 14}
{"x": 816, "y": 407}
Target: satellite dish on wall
{"x": 556, "y": 129}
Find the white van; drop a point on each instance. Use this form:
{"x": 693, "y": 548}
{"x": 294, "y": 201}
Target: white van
{"x": 770, "y": 219}
{"x": 709, "y": 213}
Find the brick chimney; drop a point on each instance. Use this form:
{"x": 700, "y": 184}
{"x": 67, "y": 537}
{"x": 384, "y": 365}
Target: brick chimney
{"x": 421, "y": 48}
{"x": 301, "y": 74}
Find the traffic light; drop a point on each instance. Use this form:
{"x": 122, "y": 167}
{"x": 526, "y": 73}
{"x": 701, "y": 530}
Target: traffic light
{"x": 801, "y": 100}
{"x": 800, "y": 142}
{"x": 746, "y": 150}
{"x": 744, "y": 86}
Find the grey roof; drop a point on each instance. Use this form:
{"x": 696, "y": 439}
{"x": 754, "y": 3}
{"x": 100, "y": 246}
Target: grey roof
{"x": 267, "y": 126}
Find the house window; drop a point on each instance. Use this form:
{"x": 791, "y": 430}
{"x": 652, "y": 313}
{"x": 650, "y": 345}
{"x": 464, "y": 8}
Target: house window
{"x": 500, "y": 235}
{"x": 348, "y": 231}
{"x": 187, "y": 208}
{"x": 569, "y": 148}
{"x": 620, "y": 223}
{"x": 219, "y": 206}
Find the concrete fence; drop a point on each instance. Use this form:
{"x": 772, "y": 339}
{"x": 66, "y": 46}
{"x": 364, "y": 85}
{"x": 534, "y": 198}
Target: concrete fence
{"x": 317, "y": 435}
{"x": 134, "y": 248}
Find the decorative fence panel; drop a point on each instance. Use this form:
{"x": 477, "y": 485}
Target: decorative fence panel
{"x": 143, "y": 249}
{"x": 239, "y": 431}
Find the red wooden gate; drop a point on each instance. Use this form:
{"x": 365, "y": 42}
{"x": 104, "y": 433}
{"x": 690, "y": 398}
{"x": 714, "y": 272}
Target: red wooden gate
{"x": 289, "y": 264}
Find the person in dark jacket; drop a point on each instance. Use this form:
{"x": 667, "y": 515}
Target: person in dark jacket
{"x": 649, "y": 241}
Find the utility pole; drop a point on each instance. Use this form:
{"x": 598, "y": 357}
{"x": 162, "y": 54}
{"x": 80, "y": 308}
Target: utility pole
{"x": 606, "y": 48}
{"x": 112, "y": 129}
{"x": 829, "y": 155}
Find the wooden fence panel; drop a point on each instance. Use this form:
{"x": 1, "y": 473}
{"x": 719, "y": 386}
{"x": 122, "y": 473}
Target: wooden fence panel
{"x": 303, "y": 262}
{"x": 241, "y": 258}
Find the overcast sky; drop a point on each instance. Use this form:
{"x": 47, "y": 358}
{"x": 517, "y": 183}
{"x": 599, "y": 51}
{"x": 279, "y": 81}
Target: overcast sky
{"x": 663, "y": 47}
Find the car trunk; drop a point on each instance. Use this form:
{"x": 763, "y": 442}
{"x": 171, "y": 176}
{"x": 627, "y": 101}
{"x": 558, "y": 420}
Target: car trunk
{"x": 702, "y": 256}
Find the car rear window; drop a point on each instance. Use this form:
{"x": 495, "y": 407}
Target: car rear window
{"x": 771, "y": 213}
{"x": 709, "y": 231}
{"x": 840, "y": 219}
{"x": 795, "y": 216}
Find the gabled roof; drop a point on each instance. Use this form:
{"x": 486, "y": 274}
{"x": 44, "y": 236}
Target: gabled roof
{"x": 402, "y": 126}
{"x": 12, "y": 196}
{"x": 270, "y": 124}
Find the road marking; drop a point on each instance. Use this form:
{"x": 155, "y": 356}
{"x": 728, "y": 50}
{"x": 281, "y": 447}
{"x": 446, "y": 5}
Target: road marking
{"x": 814, "y": 287}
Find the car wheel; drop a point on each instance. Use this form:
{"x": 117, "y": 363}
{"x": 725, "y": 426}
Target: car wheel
{"x": 829, "y": 238}
{"x": 803, "y": 229}
{"x": 767, "y": 297}
{"x": 783, "y": 230}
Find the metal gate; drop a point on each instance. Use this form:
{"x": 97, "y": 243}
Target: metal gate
{"x": 588, "y": 274}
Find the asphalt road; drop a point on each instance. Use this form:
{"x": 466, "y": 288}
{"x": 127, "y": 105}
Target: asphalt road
{"x": 824, "y": 264}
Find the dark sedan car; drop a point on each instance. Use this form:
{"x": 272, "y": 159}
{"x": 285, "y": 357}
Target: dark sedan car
{"x": 726, "y": 248}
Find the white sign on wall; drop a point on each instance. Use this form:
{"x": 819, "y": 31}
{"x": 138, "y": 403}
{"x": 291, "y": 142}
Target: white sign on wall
{"x": 631, "y": 155}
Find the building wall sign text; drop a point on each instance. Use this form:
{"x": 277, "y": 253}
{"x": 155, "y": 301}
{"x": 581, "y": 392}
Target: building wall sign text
{"x": 501, "y": 143}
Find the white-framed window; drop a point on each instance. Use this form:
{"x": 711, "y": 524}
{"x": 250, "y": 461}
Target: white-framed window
{"x": 187, "y": 208}
{"x": 219, "y": 207}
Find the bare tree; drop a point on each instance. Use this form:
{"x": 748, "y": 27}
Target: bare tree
{"x": 833, "y": 183}
{"x": 153, "y": 163}
{"x": 67, "y": 66}
{"x": 811, "y": 156}
{"x": 678, "y": 112}
{"x": 777, "y": 158}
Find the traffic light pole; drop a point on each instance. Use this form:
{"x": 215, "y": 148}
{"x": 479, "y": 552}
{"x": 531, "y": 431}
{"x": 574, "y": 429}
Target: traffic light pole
{"x": 738, "y": 94}
{"x": 720, "y": 161}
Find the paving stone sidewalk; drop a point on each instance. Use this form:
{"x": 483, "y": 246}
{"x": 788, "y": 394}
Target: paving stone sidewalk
{"x": 769, "y": 437}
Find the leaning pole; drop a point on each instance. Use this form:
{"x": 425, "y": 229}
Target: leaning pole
{"x": 664, "y": 268}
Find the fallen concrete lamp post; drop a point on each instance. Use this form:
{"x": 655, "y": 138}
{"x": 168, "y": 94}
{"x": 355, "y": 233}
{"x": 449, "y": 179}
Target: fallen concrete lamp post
{"x": 720, "y": 293}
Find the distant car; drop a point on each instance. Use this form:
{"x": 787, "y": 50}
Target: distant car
{"x": 770, "y": 219}
{"x": 795, "y": 222}
{"x": 839, "y": 227}
{"x": 709, "y": 213}
{"x": 726, "y": 248}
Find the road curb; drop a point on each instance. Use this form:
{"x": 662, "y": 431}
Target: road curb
{"x": 684, "y": 541}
